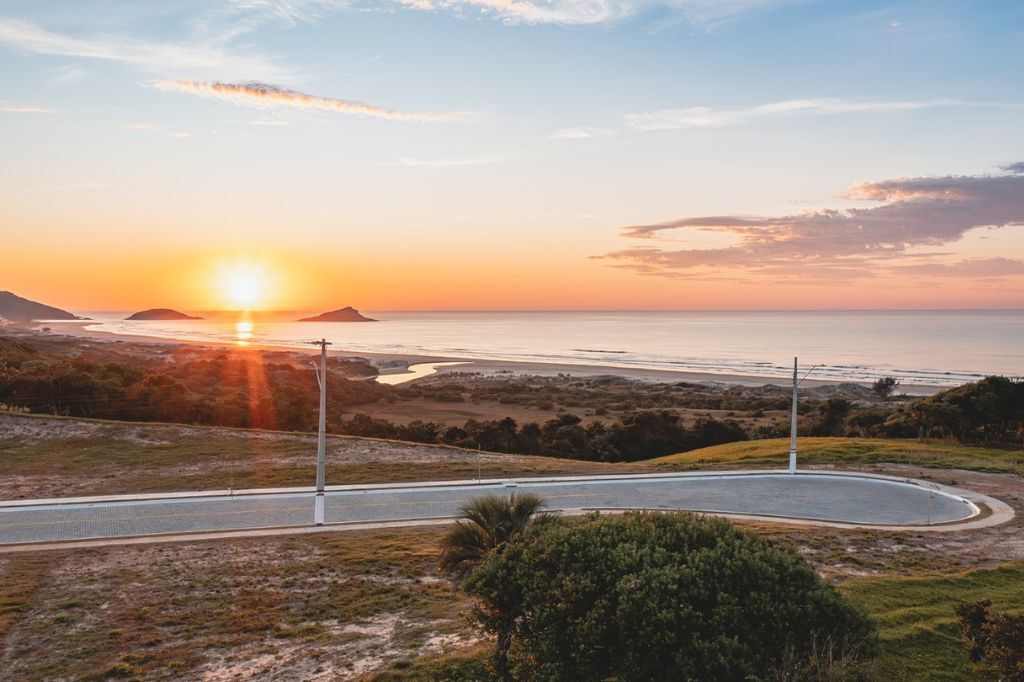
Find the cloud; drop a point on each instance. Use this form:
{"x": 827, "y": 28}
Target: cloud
{"x": 153, "y": 56}
{"x": 449, "y": 163}
{"x": 1015, "y": 168}
{"x": 705, "y": 13}
{"x": 915, "y": 217}
{"x": 581, "y": 133}
{"x": 156, "y": 128}
{"x": 23, "y": 109}
{"x": 263, "y": 96}
{"x": 712, "y": 117}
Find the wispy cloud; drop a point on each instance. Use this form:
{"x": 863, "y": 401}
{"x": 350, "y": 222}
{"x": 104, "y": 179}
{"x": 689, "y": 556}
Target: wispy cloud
{"x": 449, "y": 163}
{"x": 156, "y": 128}
{"x": 706, "y": 13}
{"x": 73, "y": 187}
{"x": 717, "y": 117}
{"x": 23, "y": 109}
{"x": 193, "y": 57}
{"x": 581, "y": 133}
{"x": 263, "y": 96}
{"x": 916, "y": 216}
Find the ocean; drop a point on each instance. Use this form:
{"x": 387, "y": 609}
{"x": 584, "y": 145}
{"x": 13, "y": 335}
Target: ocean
{"x": 934, "y": 348}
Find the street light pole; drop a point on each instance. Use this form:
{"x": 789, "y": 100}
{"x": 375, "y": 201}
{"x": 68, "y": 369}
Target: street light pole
{"x": 792, "y": 427}
{"x": 321, "y": 439}
{"x": 792, "y": 424}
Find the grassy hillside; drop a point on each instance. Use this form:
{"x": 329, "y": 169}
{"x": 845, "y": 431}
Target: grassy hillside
{"x": 62, "y": 457}
{"x": 919, "y": 634}
{"x": 848, "y": 451}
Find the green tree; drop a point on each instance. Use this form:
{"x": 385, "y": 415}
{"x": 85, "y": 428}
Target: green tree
{"x": 658, "y": 597}
{"x": 486, "y": 524}
{"x": 885, "y": 387}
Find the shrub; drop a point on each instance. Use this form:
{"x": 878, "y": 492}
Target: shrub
{"x": 658, "y": 597}
{"x": 994, "y": 639}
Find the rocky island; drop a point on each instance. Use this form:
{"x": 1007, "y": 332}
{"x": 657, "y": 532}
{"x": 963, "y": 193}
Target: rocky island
{"x": 17, "y": 309}
{"x": 346, "y": 314}
{"x": 161, "y": 314}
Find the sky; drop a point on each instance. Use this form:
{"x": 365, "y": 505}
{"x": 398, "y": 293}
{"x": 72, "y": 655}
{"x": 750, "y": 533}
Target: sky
{"x": 513, "y": 154}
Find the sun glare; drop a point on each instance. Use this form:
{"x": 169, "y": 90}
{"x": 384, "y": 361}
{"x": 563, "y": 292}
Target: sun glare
{"x": 244, "y": 286}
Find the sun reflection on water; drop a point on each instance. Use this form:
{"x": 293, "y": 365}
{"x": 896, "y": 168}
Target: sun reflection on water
{"x": 243, "y": 332}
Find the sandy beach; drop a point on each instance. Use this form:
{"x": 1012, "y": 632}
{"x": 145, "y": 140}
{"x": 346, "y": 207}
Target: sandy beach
{"x": 393, "y": 363}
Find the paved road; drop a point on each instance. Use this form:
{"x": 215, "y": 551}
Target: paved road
{"x": 822, "y": 497}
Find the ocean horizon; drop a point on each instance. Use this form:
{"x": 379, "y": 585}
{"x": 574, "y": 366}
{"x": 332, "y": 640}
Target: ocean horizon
{"x": 920, "y": 347}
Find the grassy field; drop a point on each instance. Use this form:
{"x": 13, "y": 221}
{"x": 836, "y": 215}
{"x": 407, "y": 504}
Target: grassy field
{"x": 43, "y": 456}
{"x": 920, "y": 639}
{"x": 280, "y": 608}
{"x": 919, "y": 634}
{"x": 848, "y": 452}
{"x": 362, "y": 602}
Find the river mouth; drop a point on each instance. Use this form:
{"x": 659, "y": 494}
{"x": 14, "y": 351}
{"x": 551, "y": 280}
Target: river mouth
{"x": 415, "y": 371}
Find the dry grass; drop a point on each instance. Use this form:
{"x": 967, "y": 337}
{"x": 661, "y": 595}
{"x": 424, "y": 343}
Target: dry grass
{"x": 59, "y": 457}
{"x": 308, "y": 607}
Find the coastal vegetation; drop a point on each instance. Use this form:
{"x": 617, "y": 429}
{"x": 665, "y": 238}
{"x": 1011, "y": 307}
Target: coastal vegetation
{"x": 601, "y": 419}
{"x": 373, "y": 603}
{"x": 660, "y": 597}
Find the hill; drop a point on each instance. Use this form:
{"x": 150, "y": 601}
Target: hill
{"x": 774, "y": 452}
{"x": 346, "y": 314}
{"x": 17, "y": 309}
{"x": 161, "y": 314}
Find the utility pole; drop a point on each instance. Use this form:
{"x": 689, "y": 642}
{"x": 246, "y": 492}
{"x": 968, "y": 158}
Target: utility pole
{"x": 792, "y": 425}
{"x": 321, "y": 439}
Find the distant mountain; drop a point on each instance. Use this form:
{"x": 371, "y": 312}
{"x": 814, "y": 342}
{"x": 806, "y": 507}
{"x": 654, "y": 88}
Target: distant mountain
{"x": 346, "y": 314}
{"x": 18, "y": 309}
{"x": 161, "y": 314}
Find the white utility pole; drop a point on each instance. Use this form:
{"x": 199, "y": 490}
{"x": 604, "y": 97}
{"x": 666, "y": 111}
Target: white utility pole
{"x": 792, "y": 427}
{"x": 321, "y": 440}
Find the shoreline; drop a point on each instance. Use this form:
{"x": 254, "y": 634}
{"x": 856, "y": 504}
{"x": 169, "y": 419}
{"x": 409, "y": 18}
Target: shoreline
{"x": 396, "y": 364}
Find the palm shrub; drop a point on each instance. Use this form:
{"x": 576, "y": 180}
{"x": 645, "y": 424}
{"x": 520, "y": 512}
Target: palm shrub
{"x": 486, "y": 524}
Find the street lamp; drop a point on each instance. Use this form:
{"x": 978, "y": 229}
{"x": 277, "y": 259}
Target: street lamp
{"x": 321, "y": 439}
{"x": 792, "y": 425}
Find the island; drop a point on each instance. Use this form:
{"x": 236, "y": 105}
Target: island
{"x": 161, "y": 314}
{"x": 346, "y": 314}
{"x": 17, "y": 309}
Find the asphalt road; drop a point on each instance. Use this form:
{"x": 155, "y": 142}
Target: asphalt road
{"x": 808, "y": 496}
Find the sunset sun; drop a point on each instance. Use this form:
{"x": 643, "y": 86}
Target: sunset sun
{"x": 244, "y": 286}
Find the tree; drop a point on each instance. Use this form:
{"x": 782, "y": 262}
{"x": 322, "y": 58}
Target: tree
{"x": 994, "y": 639}
{"x": 885, "y": 387}
{"x": 658, "y": 597}
{"x": 485, "y": 525}
{"x": 832, "y": 415}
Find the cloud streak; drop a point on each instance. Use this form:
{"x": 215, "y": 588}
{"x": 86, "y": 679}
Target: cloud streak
{"x": 23, "y": 109}
{"x": 719, "y": 117}
{"x": 449, "y": 163}
{"x": 706, "y": 13}
{"x": 264, "y": 96}
{"x": 153, "y": 56}
{"x": 581, "y": 133}
{"x": 915, "y": 217}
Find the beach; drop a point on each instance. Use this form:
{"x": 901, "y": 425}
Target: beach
{"x": 398, "y": 364}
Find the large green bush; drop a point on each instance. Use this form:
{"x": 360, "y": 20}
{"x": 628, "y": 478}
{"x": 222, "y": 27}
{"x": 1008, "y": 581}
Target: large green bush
{"x": 659, "y": 597}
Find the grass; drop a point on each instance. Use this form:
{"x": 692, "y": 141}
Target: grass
{"x": 42, "y": 456}
{"x": 920, "y": 639}
{"x": 177, "y": 611}
{"x": 919, "y": 634}
{"x": 849, "y": 451}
